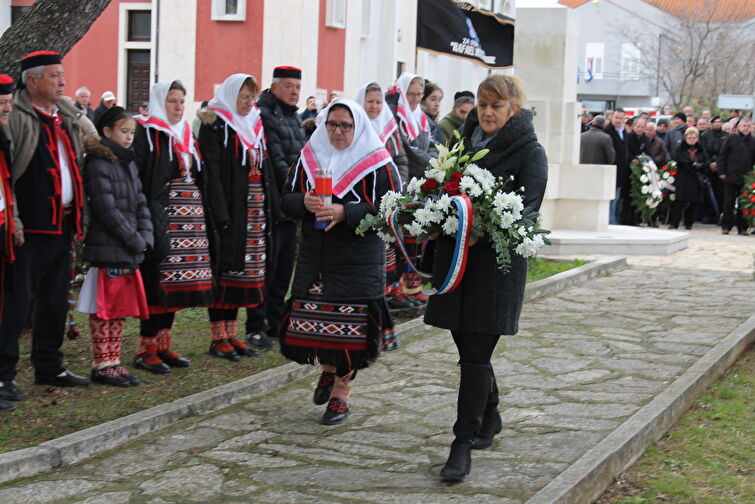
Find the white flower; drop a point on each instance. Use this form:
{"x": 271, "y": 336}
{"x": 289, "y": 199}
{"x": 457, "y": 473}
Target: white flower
{"x": 645, "y": 169}
{"x": 649, "y": 202}
{"x": 436, "y": 216}
{"x": 436, "y": 174}
{"x": 507, "y": 219}
{"x": 666, "y": 175}
{"x": 444, "y": 203}
{"x": 522, "y": 231}
{"x": 470, "y": 187}
{"x": 414, "y": 185}
{"x": 645, "y": 189}
{"x": 672, "y": 196}
{"x": 528, "y": 247}
{"x": 387, "y": 238}
{"x": 656, "y": 193}
{"x": 389, "y": 202}
{"x": 422, "y": 216}
{"x": 644, "y": 179}
{"x": 415, "y": 228}
{"x": 670, "y": 180}
{"x": 451, "y": 225}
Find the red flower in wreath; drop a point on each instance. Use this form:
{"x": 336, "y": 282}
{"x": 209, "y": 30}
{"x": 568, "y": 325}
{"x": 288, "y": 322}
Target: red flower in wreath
{"x": 429, "y": 185}
{"x": 753, "y": 185}
{"x": 752, "y": 198}
{"x": 452, "y": 188}
{"x": 664, "y": 167}
{"x": 673, "y": 173}
{"x": 746, "y": 212}
{"x": 456, "y": 176}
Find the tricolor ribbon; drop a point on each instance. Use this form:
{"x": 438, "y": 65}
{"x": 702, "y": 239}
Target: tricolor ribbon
{"x": 461, "y": 247}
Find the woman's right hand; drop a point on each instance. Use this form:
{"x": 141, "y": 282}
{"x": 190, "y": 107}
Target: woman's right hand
{"x": 312, "y": 203}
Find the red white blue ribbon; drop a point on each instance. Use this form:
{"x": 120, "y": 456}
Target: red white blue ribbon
{"x": 461, "y": 247}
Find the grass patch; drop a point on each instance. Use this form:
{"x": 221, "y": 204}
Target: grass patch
{"x": 543, "y": 268}
{"x": 49, "y": 412}
{"x": 707, "y": 457}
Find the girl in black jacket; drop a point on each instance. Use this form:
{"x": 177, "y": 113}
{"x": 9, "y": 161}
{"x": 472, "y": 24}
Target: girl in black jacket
{"x": 120, "y": 231}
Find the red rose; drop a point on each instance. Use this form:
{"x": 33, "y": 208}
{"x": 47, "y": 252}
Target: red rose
{"x": 673, "y": 172}
{"x": 664, "y": 167}
{"x": 456, "y": 176}
{"x": 746, "y": 212}
{"x": 452, "y": 188}
{"x": 753, "y": 185}
{"x": 746, "y": 193}
{"x": 752, "y": 198}
{"x": 429, "y": 185}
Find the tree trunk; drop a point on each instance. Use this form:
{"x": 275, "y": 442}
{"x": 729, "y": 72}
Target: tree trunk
{"x": 48, "y": 25}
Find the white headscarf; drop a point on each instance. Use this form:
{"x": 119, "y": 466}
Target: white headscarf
{"x": 384, "y": 124}
{"x": 365, "y": 155}
{"x": 411, "y": 122}
{"x": 248, "y": 127}
{"x": 179, "y": 133}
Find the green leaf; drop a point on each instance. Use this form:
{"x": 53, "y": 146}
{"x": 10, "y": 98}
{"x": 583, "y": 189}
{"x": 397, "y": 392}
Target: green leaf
{"x": 457, "y": 134}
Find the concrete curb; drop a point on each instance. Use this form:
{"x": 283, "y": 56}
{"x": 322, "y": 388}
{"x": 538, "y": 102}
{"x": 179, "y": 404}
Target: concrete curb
{"x": 589, "y": 476}
{"x": 76, "y": 446}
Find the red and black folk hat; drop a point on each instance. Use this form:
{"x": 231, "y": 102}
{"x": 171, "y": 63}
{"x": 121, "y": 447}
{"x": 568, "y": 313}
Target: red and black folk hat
{"x": 40, "y": 58}
{"x": 287, "y": 72}
{"x": 6, "y": 84}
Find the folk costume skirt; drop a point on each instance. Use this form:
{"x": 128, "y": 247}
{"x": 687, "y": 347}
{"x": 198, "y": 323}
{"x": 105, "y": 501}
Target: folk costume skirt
{"x": 113, "y": 293}
{"x": 347, "y": 334}
{"x": 184, "y": 277}
{"x": 244, "y": 288}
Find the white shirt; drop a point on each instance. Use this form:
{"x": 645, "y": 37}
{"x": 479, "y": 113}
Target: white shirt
{"x": 66, "y": 184}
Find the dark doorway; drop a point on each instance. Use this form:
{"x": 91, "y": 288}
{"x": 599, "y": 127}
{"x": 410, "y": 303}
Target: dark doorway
{"x": 138, "y": 81}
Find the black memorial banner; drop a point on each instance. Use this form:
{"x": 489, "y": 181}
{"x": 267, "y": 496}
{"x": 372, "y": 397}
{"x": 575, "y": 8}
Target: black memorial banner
{"x": 460, "y": 29}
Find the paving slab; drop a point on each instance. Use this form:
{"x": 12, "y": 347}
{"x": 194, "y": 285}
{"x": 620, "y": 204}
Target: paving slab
{"x": 597, "y": 371}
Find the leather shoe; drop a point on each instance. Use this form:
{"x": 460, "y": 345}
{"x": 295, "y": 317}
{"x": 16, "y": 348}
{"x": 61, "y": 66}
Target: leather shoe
{"x": 7, "y": 406}
{"x": 260, "y": 340}
{"x": 242, "y": 349}
{"x": 324, "y": 388}
{"x": 231, "y": 355}
{"x": 104, "y": 378}
{"x": 144, "y": 362}
{"x": 172, "y": 359}
{"x": 131, "y": 379}
{"x": 336, "y": 412}
{"x": 10, "y": 392}
{"x": 64, "y": 379}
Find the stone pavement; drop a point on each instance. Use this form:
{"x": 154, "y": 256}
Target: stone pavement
{"x": 584, "y": 360}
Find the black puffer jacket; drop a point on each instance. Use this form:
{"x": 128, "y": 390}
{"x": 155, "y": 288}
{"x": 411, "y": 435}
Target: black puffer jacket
{"x": 228, "y": 188}
{"x": 285, "y": 139}
{"x": 120, "y": 228}
{"x": 487, "y": 300}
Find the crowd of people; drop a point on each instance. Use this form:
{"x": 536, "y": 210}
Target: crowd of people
{"x": 217, "y": 218}
{"x": 713, "y": 154}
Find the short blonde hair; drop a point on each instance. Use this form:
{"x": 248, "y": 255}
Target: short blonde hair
{"x": 691, "y": 131}
{"x": 502, "y": 87}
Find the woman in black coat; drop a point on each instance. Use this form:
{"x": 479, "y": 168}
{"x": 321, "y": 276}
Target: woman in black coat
{"x": 119, "y": 234}
{"x": 337, "y": 313}
{"x": 691, "y": 165}
{"x": 487, "y": 303}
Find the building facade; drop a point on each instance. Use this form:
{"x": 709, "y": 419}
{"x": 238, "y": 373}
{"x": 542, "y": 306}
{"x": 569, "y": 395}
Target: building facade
{"x": 340, "y": 45}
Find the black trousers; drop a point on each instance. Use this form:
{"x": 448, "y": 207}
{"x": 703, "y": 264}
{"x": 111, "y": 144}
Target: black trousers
{"x": 40, "y": 274}
{"x": 475, "y": 348}
{"x": 156, "y": 321}
{"x": 685, "y": 209}
{"x": 268, "y": 315}
{"x": 730, "y": 214}
{"x": 220, "y": 314}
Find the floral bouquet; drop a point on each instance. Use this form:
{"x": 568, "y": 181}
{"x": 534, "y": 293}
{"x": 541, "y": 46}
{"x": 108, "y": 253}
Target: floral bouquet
{"x": 459, "y": 199}
{"x": 650, "y": 185}
{"x": 747, "y": 199}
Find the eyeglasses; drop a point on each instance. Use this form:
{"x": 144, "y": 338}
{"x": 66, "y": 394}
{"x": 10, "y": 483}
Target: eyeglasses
{"x": 332, "y": 126}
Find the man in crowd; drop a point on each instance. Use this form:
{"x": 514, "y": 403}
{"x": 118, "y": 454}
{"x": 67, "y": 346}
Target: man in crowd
{"x": 706, "y": 115}
{"x": 311, "y": 110}
{"x": 621, "y": 207}
{"x": 654, "y": 146}
{"x": 83, "y": 95}
{"x": 675, "y": 135}
{"x": 662, "y": 129}
{"x": 454, "y": 119}
{"x": 712, "y": 140}
{"x": 47, "y": 142}
{"x": 106, "y": 102}
{"x": 688, "y": 111}
{"x": 285, "y": 138}
{"x": 735, "y": 160}
{"x": 585, "y": 119}
{"x": 7, "y": 229}
{"x": 702, "y": 125}
{"x": 595, "y": 145}
{"x": 634, "y": 138}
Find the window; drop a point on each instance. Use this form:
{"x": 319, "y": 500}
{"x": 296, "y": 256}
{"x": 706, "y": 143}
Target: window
{"x": 630, "y": 62}
{"x": 228, "y": 10}
{"x": 139, "y": 26}
{"x": 593, "y": 61}
{"x": 335, "y": 14}
{"x": 366, "y": 5}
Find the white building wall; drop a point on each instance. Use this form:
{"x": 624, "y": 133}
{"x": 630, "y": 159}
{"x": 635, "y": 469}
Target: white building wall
{"x": 177, "y": 45}
{"x": 4, "y": 15}
{"x": 290, "y": 38}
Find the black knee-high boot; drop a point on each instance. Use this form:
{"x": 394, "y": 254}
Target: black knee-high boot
{"x": 473, "y": 396}
{"x": 491, "y": 420}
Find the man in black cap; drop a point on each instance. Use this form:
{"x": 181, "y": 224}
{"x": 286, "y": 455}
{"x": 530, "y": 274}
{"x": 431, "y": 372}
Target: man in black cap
{"x": 285, "y": 139}
{"x": 45, "y": 130}
{"x": 662, "y": 129}
{"x": 675, "y": 136}
{"x": 712, "y": 140}
{"x": 7, "y": 228}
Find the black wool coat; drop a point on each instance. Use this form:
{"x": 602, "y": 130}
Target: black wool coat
{"x": 736, "y": 157}
{"x": 487, "y": 300}
{"x": 120, "y": 228}
{"x": 228, "y": 188}
{"x": 689, "y": 171}
{"x": 285, "y": 139}
{"x": 351, "y": 267}
{"x": 621, "y": 148}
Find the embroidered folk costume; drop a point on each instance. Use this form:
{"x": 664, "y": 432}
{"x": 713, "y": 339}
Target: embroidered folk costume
{"x": 337, "y": 314}
{"x": 120, "y": 231}
{"x": 176, "y": 272}
{"x": 233, "y": 148}
{"x": 7, "y": 226}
